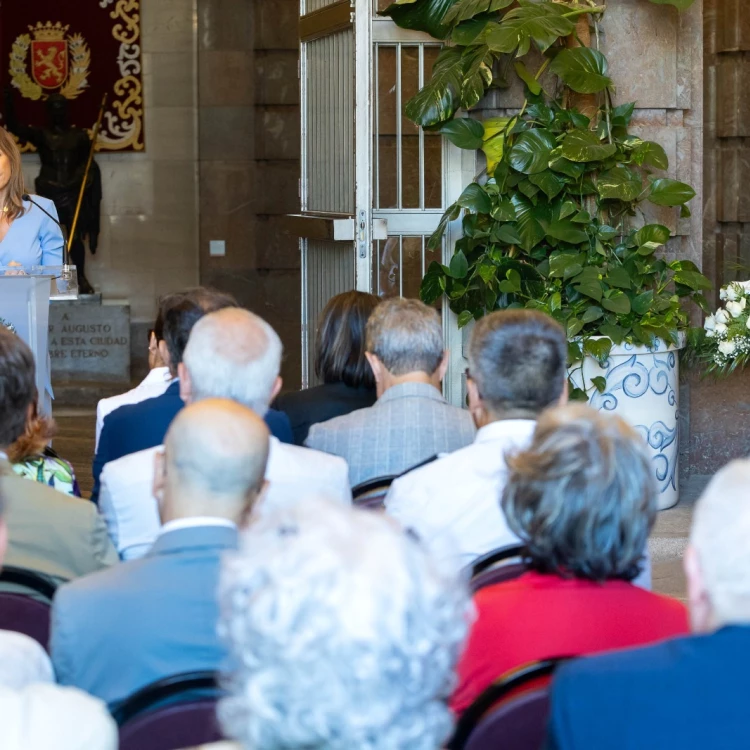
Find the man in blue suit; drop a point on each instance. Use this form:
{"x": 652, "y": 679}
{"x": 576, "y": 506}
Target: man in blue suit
{"x": 147, "y": 619}
{"x": 136, "y": 427}
{"x": 685, "y": 693}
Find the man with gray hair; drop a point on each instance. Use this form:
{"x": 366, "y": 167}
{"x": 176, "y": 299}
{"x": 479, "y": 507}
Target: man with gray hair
{"x": 517, "y": 368}
{"x": 344, "y": 632}
{"x": 236, "y": 355}
{"x": 411, "y": 421}
{"x": 147, "y": 619}
{"x": 690, "y": 692}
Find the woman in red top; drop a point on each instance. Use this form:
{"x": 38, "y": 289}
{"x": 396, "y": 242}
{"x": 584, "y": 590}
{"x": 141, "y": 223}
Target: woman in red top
{"x": 582, "y": 498}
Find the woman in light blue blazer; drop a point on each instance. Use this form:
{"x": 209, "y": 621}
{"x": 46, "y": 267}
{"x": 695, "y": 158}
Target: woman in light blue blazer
{"x": 28, "y": 237}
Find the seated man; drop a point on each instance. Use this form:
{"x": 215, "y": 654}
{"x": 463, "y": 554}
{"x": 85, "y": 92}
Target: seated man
{"x": 411, "y": 421}
{"x": 517, "y": 368}
{"x": 59, "y": 536}
{"x": 115, "y": 632}
{"x": 344, "y": 633}
{"x": 685, "y": 693}
{"x": 236, "y": 355}
{"x": 143, "y": 425}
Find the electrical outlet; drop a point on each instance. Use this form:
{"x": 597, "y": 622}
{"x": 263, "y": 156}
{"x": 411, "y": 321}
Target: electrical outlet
{"x": 217, "y": 247}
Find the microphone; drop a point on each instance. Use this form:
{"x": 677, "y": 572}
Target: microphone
{"x": 66, "y": 251}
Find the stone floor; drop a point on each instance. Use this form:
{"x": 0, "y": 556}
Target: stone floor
{"x": 75, "y": 442}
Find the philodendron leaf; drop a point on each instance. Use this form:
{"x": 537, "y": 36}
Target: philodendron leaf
{"x": 433, "y": 284}
{"x": 532, "y": 84}
{"x": 475, "y": 199}
{"x": 477, "y": 74}
{"x": 464, "y": 318}
{"x": 494, "y": 140}
{"x": 600, "y": 383}
{"x": 436, "y": 238}
{"x": 439, "y": 99}
{"x": 599, "y": 349}
{"x": 582, "y": 69}
{"x": 464, "y": 133}
{"x": 529, "y": 224}
{"x": 459, "y": 266}
{"x": 463, "y": 10}
{"x": 616, "y": 301}
{"x": 585, "y": 146}
{"x": 651, "y": 154}
{"x": 679, "y": 4}
{"x": 667, "y": 192}
{"x": 656, "y": 233}
{"x": 693, "y": 279}
{"x": 531, "y": 151}
{"x": 469, "y": 32}
{"x": 421, "y": 15}
{"x": 504, "y": 211}
{"x": 567, "y": 231}
{"x": 619, "y": 183}
{"x": 542, "y": 23}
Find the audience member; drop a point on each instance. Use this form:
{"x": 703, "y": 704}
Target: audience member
{"x": 118, "y": 631}
{"x": 340, "y": 362}
{"x": 582, "y": 499}
{"x": 687, "y": 692}
{"x": 143, "y": 425}
{"x": 344, "y": 633}
{"x": 48, "y": 717}
{"x": 236, "y": 355}
{"x": 517, "y": 368}
{"x": 32, "y": 457}
{"x": 411, "y": 421}
{"x": 51, "y": 533}
{"x": 154, "y": 384}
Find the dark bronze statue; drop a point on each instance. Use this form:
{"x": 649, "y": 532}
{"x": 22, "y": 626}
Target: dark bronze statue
{"x": 64, "y": 152}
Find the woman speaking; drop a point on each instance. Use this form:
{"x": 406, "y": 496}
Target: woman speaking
{"x": 27, "y": 236}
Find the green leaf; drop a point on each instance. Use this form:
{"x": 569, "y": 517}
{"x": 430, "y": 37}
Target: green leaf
{"x": 642, "y": 302}
{"x": 614, "y": 332}
{"x": 532, "y": 84}
{"x": 599, "y": 349}
{"x": 600, "y": 383}
{"x": 433, "y": 282}
{"x": 623, "y": 114}
{"x": 555, "y": 302}
{"x": 464, "y": 132}
{"x": 440, "y": 97}
{"x": 582, "y": 69}
{"x": 567, "y": 209}
{"x": 504, "y": 211}
{"x": 656, "y": 233}
{"x": 591, "y": 289}
{"x": 685, "y": 212}
{"x": 507, "y": 234}
{"x": 436, "y": 237}
{"x": 477, "y": 74}
{"x": 529, "y": 222}
{"x": 592, "y": 313}
{"x": 695, "y": 280}
{"x": 568, "y": 168}
{"x": 679, "y": 4}
{"x": 466, "y": 9}
{"x": 531, "y": 151}
{"x": 585, "y": 146}
{"x": 474, "y": 198}
{"x": 487, "y": 271}
{"x": 469, "y": 32}
{"x": 567, "y": 231}
{"x": 512, "y": 284}
{"x": 550, "y": 184}
{"x": 651, "y": 154}
{"x": 542, "y": 23}
{"x": 618, "y": 277}
{"x": 465, "y": 318}
{"x": 574, "y": 327}
{"x": 667, "y": 192}
{"x": 616, "y": 301}
{"x": 459, "y": 266}
{"x": 561, "y": 262}
{"x": 619, "y": 183}
{"x": 494, "y": 140}
{"x": 421, "y": 15}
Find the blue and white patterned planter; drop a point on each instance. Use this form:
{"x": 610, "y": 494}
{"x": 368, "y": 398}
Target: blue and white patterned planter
{"x": 642, "y": 388}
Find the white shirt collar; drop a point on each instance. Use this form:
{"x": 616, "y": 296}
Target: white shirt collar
{"x": 190, "y": 523}
{"x": 157, "y": 375}
{"x": 504, "y": 427}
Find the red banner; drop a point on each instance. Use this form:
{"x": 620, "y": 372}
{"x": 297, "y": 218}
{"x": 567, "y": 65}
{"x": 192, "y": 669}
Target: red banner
{"x": 81, "y": 49}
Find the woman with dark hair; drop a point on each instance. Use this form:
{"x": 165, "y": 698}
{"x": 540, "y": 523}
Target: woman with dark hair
{"x": 348, "y": 382}
{"x": 583, "y": 500}
{"x": 28, "y": 237}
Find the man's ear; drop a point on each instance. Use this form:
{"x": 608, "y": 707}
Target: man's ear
{"x": 375, "y": 365}
{"x": 186, "y": 384}
{"x": 160, "y": 480}
{"x": 164, "y": 353}
{"x": 699, "y": 602}
{"x": 276, "y": 388}
{"x": 443, "y": 366}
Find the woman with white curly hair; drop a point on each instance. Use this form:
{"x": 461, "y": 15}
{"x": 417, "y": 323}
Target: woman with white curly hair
{"x": 345, "y": 633}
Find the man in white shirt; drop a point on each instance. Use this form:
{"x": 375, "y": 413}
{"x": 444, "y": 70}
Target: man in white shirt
{"x": 231, "y": 354}
{"x": 147, "y": 619}
{"x": 517, "y": 368}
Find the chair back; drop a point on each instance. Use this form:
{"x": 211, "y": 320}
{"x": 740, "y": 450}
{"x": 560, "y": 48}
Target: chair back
{"x": 371, "y": 494}
{"x": 173, "y": 713}
{"x": 497, "y": 566}
{"x": 512, "y": 713}
{"x": 22, "y": 613}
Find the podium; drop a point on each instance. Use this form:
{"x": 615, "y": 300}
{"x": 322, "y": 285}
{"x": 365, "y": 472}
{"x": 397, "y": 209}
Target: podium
{"x": 25, "y": 295}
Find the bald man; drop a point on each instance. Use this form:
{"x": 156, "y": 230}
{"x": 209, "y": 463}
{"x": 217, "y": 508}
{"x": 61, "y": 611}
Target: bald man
{"x": 147, "y": 619}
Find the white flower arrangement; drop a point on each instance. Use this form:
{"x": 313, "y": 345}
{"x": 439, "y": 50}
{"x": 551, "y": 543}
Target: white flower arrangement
{"x": 728, "y": 329}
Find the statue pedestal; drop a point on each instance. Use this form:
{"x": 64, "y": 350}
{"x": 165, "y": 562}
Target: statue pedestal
{"x": 89, "y": 340}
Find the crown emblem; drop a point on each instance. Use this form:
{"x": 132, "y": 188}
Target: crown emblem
{"x": 49, "y": 32}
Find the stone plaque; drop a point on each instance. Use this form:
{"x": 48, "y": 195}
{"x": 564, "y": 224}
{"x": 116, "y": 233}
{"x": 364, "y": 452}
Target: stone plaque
{"x": 89, "y": 341}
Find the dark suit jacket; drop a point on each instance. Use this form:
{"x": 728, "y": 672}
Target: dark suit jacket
{"x": 115, "y": 632}
{"x": 135, "y": 427}
{"x": 321, "y": 403}
{"x": 688, "y": 693}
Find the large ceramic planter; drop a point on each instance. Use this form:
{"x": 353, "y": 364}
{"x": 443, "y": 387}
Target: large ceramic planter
{"x": 642, "y": 388}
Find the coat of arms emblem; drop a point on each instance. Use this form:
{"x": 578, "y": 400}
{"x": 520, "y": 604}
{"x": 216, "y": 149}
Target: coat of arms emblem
{"x": 59, "y": 62}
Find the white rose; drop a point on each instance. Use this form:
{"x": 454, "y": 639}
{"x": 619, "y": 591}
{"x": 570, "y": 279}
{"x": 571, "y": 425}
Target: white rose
{"x": 745, "y": 286}
{"x": 727, "y": 348}
{"x": 720, "y": 329}
{"x": 710, "y": 323}
{"x": 730, "y": 293}
{"x": 722, "y": 316}
{"x": 735, "y": 309}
